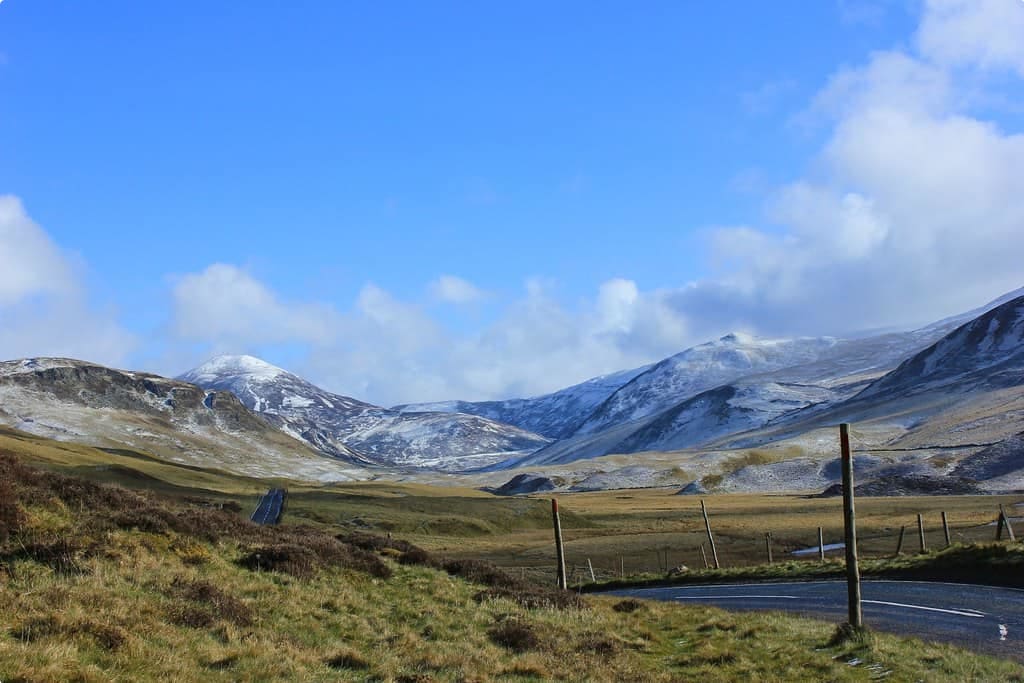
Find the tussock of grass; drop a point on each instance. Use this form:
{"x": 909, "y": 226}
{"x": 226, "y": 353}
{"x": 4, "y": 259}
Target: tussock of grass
{"x": 176, "y": 603}
{"x": 517, "y": 635}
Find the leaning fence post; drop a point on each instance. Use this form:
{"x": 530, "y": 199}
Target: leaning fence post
{"x": 821, "y": 545}
{"x": 850, "y": 527}
{"x": 703, "y": 556}
{"x": 711, "y": 539}
{"x": 593, "y": 578}
{"x": 768, "y": 545}
{"x": 899, "y": 544}
{"x": 945, "y": 528}
{"x": 920, "y": 532}
{"x": 559, "y": 550}
{"x": 1006, "y": 521}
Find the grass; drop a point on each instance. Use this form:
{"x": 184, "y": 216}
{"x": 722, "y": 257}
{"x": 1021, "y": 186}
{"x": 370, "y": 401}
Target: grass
{"x": 89, "y": 594}
{"x": 995, "y": 564}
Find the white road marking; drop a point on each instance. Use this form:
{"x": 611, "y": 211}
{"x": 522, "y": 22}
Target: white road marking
{"x": 972, "y": 613}
{"x": 735, "y": 597}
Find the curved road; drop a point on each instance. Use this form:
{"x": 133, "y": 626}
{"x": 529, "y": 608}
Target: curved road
{"x": 980, "y": 618}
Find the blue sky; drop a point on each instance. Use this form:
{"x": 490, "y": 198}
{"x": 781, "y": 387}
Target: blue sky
{"x": 419, "y": 201}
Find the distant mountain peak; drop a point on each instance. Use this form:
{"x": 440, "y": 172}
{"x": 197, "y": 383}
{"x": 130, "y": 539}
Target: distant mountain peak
{"x": 737, "y": 338}
{"x": 236, "y": 365}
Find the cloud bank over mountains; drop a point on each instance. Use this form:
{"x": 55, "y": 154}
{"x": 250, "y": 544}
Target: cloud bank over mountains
{"x": 44, "y": 309}
{"x": 912, "y": 209}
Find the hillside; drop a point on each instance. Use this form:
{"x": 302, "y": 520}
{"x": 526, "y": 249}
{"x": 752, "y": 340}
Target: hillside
{"x": 73, "y": 400}
{"x": 359, "y": 432}
{"x": 130, "y": 587}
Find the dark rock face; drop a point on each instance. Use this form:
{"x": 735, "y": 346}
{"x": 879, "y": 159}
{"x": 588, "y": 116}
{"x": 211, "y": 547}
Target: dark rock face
{"x": 96, "y": 386}
{"x": 995, "y": 461}
{"x": 525, "y": 483}
{"x": 910, "y": 486}
{"x": 987, "y": 351}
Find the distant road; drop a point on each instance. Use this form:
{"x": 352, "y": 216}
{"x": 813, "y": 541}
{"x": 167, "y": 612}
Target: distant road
{"x": 980, "y": 618}
{"x": 270, "y": 507}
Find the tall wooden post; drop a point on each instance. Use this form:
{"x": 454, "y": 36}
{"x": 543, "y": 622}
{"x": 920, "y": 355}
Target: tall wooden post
{"x": 945, "y": 528}
{"x": 703, "y": 556}
{"x": 768, "y": 545}
{"x": 711, "y": 539}
{"x": 920, "y": 532}
{"x": 622, "y": 568}
{"x": 591, "y": 568}
{"x": 821, "y": 545}
{"x": 559, "y": 550}
{"x": 850, "y": 525}
{"x": 899, "y": 544}
{"x": 1006, "y": 521}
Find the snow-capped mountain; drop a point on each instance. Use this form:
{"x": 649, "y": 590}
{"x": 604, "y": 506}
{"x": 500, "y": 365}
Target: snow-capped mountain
{"x": 555, "y": 415}
{"x": 988, "y": 350}
{"x": 738, "y": 385}
{"x": 72, "y": 400}
{"x": 360, "y": 432}
{"x": 698, "y": 369}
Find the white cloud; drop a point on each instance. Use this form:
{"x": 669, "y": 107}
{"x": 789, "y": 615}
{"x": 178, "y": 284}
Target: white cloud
{"x": 914, "y": 205}
{"x": 43, "y": 304}
{"x": 913, "y": 211}
{"x": 229, "y": 308}
{"x": 30, "y": 263}
{"x": 984, "y": 34}
{"x": 454, "y": 290}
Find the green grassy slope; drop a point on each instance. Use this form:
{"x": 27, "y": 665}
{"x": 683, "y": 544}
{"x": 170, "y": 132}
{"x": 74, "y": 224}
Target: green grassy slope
{"x": 102, "y": 584}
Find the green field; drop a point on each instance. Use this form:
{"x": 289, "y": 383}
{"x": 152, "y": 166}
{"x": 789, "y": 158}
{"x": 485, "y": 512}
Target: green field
{"x": 102, "y": 584}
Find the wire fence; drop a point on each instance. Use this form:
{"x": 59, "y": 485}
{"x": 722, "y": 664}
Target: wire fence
{"x": 688, "y": 550}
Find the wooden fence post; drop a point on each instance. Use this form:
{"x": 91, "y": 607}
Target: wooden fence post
{"x": 899, "y": 544}
{"x": 593, "y": 579}
{"x": 711, "y": 539}
{"x": 1006, "y": 521}
{"x": 768, "y": 545}
{"x": 821, "y": 545}
{"x": 559, "y": 550}
{"x": 622, "y": 568}
{"x": 945, "y": 528}
{"x": 850, "y": 526}
{"x": 920, "y": 533}
{"x": 703, "y": 556}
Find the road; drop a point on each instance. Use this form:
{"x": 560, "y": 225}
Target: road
{"x": 980, "y": 618}
{"x": 270, "y": 507}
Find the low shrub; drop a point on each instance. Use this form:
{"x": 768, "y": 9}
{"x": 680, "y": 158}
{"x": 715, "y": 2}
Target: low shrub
{"x": 514, "y": 634}
{"x": 221, "y": 604}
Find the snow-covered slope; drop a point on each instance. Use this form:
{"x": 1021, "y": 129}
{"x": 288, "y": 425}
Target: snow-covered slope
{"x": 73, "y": 400}
{"x": 555, "y": 415}
{"x": 988, "y": 350}
{"x": 359, "y": 432}
{"x": 699, "y": 369}
{"x": 735, "y": 387}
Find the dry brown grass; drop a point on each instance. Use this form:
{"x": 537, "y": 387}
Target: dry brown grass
{"x": 142, "y": 610}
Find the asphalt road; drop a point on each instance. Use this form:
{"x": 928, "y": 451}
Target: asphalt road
{"x": 270, "y": 506}
{"x": 980, "y": 618}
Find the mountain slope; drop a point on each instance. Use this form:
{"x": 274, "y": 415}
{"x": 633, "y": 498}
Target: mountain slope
{"x": 73, "y": 400}
{"x": 987, "y": 351}
{"x": 360, "y": 432}
{"x": 761, "y": 390}
{"x": 555, "y": 415}
{"x": 699, "y": 369}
